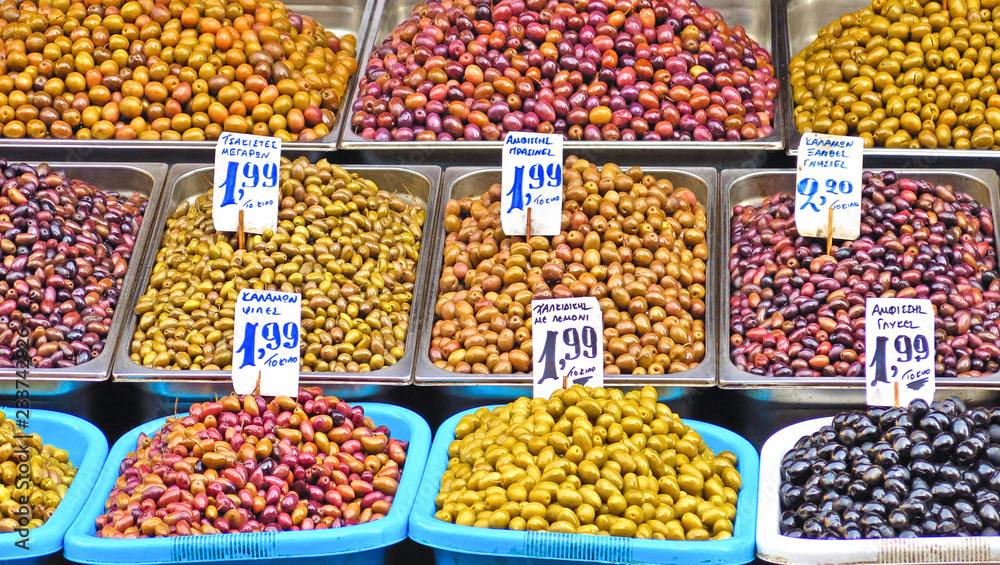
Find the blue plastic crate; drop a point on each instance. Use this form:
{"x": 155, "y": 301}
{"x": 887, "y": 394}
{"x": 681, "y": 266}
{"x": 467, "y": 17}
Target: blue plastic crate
{"x": 87, "y": 448}
{"x": 465, "y": 545}
{"x": 361, "y": 544}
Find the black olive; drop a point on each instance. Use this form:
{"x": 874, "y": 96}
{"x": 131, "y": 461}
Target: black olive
{"x": 842, "y": 504}
{"x": 888, "y": 457}
{"x": 791, "y": 495}
{"x": 993, "y": 483}
{"x": 989, "y": 531}
{"x": 960, "y": 428}
{"x": 918, "y": 408}
{"x": 847, "y": 436}
{"x": 898, "y": 520}
{"x": 796, "y": 533}
{"x": 867, "y": 433}
{"x": 923, "y": 469}
{"x": 914, "y": 508}
{"x": 921, "y": 494}
{"x": 902, "y": 445}
{"x": 966, "y": 451}
{"x": 943, "y": 491}
{"x": 919, "y": 436}
{"x": 852, "y": 533}
{"x": 909, "y": 534}
{"x": 972, "y": 479}
{"x": 987, "y": 497}
{"x": 873, "y": 507}
{"x": 798, "y": 471}
{"x": 989, "y": 515}
{"x": 947, "y": 527}
{"x": 870, "y": 520}
{"x": 898, "y": 472}
{"x": 963, "y": 506}
{"x": 812, "y": 528}
{"x": 942, "y": 444}
{"x": 979, "y": 417}
{"x": 857, "y": 489}
{"x": 963, "y": 490}
{"x": 993, "y": 453}
{"x": 874, "y": 476}
{"x": 949, "y": 473}
{"x": 994, "y": 431}
{"x": 891, "y": 500}
{"x": 929, "y": 527}
{"x": 921, "y": 451}
{"x": 930, "y": 424}
{"x": 895, "y": 486}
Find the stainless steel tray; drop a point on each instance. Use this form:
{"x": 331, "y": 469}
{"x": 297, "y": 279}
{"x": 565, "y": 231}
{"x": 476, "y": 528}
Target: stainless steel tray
{"x": 187, "y": 181}
{"x": 751, "y": 186}
{"x": 755, "y": 17}
{"x": 461, "y": 182}
{"x": 339, "y": 16}
{"x": 145, "y": 179}
{"x": 798, "y": 26}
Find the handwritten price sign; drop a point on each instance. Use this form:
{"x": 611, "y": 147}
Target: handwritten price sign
{"x": 532, "y": 179}
{"x": 828, "y": 178}
{"x": 899, "y": 350}
{"x": 246, "y": 178}
{"x": 266, "y": 341}
{"x": 567, "y": 341}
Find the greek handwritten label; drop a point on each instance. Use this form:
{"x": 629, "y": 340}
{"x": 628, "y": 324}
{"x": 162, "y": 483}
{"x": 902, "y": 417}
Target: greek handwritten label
{"x": 246, "y": 178}
{"x": 266, "y": 342}
{"x": 532, "y": 178}
{"x": 899, "y": 346}
{"x": 829, "y": 177}
{"x": 568, "y": 343}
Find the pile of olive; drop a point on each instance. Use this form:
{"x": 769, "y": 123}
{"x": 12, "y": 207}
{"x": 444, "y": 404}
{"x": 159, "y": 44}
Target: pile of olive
{"x": 588, "y": 461}
{"x": 636, "y": 243}
{"x": 349, "y": 247}
{"x": 909, "y": 472}
{"x": 904, "y": 74}
{"x": 34, "y": 478}
{"x": 168, "y": 70}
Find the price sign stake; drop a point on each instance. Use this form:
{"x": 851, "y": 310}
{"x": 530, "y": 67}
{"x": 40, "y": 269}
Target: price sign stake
{"x": 828, "y": 186}
{"x": 266, "y": 342}
{"x": 567, "y": 344}
{"x": 532, "y": 184}
{"x": 899, "y": 351}
{"x": 246, "y": 183}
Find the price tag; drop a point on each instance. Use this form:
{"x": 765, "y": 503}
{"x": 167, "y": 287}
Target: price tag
{"x": 567, "y": 336}
{"x": 266, "y": 342}
{"x": 828, "y": 178}
{"x": 246, "y": 178}
{"x": 899, "y": 350}
{"x": 532, "y": 179}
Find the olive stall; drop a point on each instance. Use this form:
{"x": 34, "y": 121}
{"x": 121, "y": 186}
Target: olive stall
{"x": 724, "y": 332}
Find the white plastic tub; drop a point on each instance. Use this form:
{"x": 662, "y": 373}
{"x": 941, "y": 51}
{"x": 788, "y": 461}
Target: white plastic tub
{"x": 775, "y": 548}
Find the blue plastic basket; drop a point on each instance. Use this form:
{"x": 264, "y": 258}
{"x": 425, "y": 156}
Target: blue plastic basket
{"x": 87, "y": 448}
{"x": 361, "y": 544}
{"x": 465, "y": 545}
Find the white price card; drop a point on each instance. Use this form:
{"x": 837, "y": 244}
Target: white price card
{"x": 567, "y": 341}
{"x": 266, "y": 342}
{"x": 899, "y": 350}
{"x": 828, "y": 177}
{"x": 532, "y": 178}
{"x": 246, "y": 178}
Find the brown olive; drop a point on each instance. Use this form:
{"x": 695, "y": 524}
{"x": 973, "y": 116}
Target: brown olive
{"x": 639, "y": 246}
